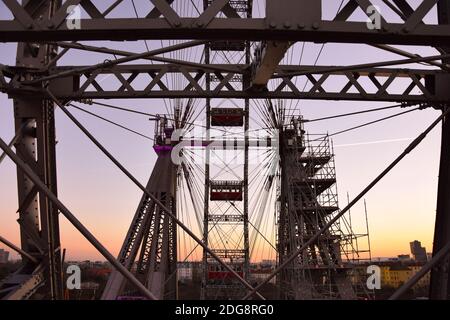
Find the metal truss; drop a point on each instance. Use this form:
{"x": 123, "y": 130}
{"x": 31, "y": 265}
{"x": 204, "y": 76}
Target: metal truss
{"x": 285, "y": 21}
{"x": 369, "y": 84}
{"x": 38, "y": 217}
{"x": 150, "y": 244}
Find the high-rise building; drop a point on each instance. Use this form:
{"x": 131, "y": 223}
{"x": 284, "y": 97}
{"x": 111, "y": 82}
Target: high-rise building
{"x": 419, "y": 253}
{"x": 4, "y": 256}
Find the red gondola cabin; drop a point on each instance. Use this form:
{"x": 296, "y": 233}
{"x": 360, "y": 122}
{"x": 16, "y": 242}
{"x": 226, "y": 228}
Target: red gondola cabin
{"x": 227, "y": 117}
{"x": 226, "y": 190}
{"x": 218, "y": 272}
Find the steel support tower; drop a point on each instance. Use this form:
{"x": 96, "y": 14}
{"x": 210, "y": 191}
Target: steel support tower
{"x": 38, "y": 218}
{"x": 150, "y": 246}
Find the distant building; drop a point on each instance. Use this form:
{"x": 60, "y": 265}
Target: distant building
{"x": 267, "y": 263}
{"x": 419, "y": 253}
{"x": 4, "y": 255}
{"x": 404, "y": 257}
{"x": 396, "y": 275}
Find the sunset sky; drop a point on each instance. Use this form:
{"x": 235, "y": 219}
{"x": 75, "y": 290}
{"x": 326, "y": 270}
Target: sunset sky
{"x": 401, "y": 208}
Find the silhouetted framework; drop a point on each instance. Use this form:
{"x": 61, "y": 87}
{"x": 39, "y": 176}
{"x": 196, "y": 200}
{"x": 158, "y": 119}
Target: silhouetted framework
{"x": 147, "y": 260}
{"x": 149, "y": 249}
{"x": 38, "y": 217}
{"x": 306, "y": 201}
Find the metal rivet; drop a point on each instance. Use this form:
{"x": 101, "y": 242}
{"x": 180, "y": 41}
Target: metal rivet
{"x": 287, "y": 24}
{"x": 315, "y": 25}
{"x": 273, "y": 24}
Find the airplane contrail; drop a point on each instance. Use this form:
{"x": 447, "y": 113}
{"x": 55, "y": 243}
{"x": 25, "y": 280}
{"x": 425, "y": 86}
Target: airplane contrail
{"x": 372, "y": 142}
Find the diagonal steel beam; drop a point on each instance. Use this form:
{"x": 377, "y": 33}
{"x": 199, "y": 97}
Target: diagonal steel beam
{"x": 152, "y": 196}
{"x": 168, "y": 13}
{"x": 213, "y": 9}
{"x": 270, "y": 55}
{"x": 84, "y": 47}
{"x": 111, "y": 63}
{"x": 155, "y": 13}
{"x": 418, "y": 15}
{"x": 18, "y": 250}
{"x": 357, "y": 67}
{"x": 75, "y": 222}
{"x": 316, "y": 236}
{"x": 409, "y": 55}
{"x": 14, "y": 139}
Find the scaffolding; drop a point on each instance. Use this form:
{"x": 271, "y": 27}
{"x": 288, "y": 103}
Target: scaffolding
{"x": 308, "y": 199}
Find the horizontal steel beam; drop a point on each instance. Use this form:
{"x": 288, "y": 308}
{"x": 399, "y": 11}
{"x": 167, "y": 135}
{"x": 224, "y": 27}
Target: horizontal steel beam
{"x": 253, "y": 29}
{"x": 229, "y": 144}
{"x": 366, "y": 84}
{"x": 288, "y": 20}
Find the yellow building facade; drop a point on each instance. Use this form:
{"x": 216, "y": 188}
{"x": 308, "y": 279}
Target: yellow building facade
{"x": 395, "y": 276}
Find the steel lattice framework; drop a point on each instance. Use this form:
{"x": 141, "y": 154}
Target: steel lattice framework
{"x": 37, "y": 84}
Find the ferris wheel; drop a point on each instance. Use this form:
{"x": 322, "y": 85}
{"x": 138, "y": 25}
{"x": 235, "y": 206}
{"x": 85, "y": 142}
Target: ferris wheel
{"x": 244, "y": 176}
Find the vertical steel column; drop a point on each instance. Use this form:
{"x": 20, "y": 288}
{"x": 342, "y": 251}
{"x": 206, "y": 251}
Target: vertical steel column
{"x": 246, "y": 268}
{"x": 246, "y": 200}
{"x": 440, "y": 282}
{"x": 207, "y": 183}
{"x": 36, "y": 146}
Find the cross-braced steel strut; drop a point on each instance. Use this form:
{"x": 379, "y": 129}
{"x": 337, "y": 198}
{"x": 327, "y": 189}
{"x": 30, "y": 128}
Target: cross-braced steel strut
{"x": 423, "y": 85}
